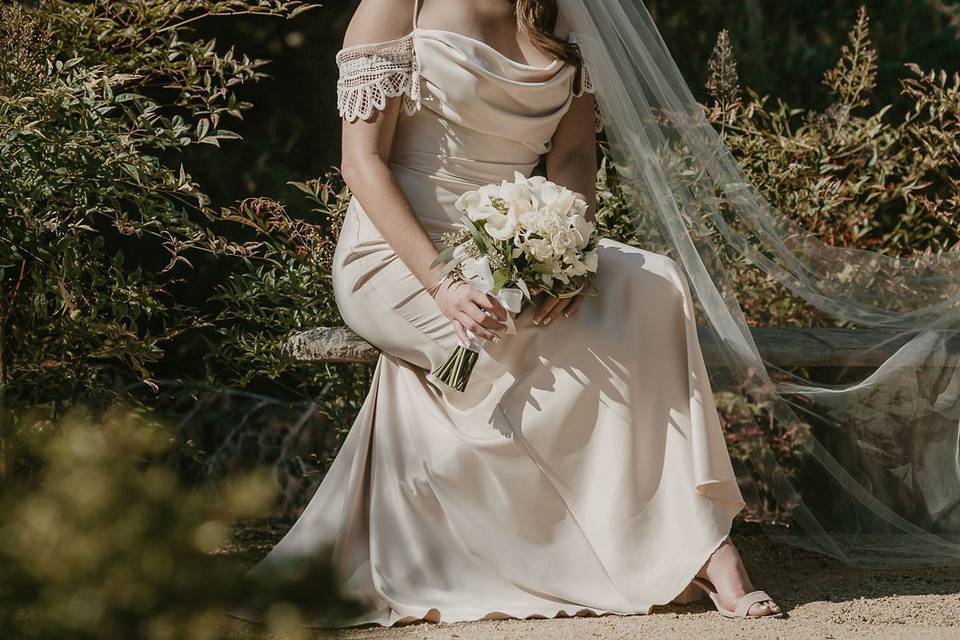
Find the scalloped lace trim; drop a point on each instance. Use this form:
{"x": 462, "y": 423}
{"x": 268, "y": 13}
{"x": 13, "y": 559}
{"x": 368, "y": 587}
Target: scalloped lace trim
{"x": 586, "y": 86}
{"x": 371, "y": 73}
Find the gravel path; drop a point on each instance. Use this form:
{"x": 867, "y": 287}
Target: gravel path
{"x": 825, "y": 599}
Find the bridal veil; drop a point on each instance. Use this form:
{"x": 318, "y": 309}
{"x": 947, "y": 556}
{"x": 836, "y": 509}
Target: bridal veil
{"x": 880, "y": 483}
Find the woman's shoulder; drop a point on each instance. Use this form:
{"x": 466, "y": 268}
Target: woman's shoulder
{"x": 378, "y": 60}
{"x": 378, "y": 21}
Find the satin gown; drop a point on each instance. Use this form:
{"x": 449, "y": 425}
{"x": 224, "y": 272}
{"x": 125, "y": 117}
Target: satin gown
{"x": 584, "y": 470}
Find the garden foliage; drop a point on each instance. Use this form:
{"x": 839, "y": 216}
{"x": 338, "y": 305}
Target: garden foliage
{"x": 110, "y": 544}
{"x": 102, "y": 227}
{"x": 119, "y": 277}
{"x": 856, "y": 174}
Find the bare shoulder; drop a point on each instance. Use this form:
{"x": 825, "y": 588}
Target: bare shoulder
{"x": 379, "y": 21}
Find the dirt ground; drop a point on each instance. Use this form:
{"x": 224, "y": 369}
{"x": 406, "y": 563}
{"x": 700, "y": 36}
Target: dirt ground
{"x": 824, "y": 599}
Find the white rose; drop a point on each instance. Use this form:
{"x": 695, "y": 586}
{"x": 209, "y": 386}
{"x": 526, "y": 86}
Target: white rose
{"x": 547, "y": 194}
{"x": 501, "y": 226}
{"x": 579, "y": 206}
{"x": 540, "y": 248}
{"x": 564, "y": 241}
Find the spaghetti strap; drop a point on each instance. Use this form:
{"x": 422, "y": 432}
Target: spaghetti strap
{"x": 416, "y": 10}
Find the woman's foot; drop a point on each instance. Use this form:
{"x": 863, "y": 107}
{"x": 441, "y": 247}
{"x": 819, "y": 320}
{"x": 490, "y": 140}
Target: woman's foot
{"x": 726, "y": 571}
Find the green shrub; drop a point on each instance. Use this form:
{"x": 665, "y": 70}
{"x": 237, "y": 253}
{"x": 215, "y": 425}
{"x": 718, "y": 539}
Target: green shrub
{"x": 854, "y": 175}
{"x": 111, "y": 545}
{"x": 118, "y": 277}
{"x": 102, "y": 230}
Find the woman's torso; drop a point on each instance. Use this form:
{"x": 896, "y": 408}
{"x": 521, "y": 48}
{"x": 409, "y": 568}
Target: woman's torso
{"x": 482, "y": 116}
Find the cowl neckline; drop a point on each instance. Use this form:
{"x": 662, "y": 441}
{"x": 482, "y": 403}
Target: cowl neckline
{"x": 492, "y": 61}
{"x": 484, "y": 45}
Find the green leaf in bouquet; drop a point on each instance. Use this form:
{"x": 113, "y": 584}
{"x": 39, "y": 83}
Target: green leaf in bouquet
{"x": 444, "y": 257}
{"x": 569, "y": 294}
{"x": 540, "y": 267}
{"x": 579, "y": 291}
{"x": 500, "y": 279}
{"x": 478, "y": 236}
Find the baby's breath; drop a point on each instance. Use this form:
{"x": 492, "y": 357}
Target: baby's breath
{"x": 497, "y": 261}
{"x": 454, "y": 238}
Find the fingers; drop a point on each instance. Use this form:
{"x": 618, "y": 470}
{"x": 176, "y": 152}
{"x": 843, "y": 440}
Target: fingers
{"x": 461, "y": 333}
{"x": 476, "y": 328}
{"x": 490, "y": 303}
{"x": 573, "y": 306}
{"x": 552, "y": 307}
{"x": 557, "y": 310}
{"x": 482, "y": 319}
{"x": 480, "y": 324}
{"x": 545, "y": 310}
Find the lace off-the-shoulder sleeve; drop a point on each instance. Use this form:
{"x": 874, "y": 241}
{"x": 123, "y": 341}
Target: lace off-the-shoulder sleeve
{"x": 586, "y": 86}
{"x": 371, "y": 73}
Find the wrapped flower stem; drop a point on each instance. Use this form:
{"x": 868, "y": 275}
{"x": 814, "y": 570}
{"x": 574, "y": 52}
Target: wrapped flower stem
{"x": 456, "y": 369}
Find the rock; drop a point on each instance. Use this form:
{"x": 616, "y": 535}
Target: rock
{"x": 329, "y": 344}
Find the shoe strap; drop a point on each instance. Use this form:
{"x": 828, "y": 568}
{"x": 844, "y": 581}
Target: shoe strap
{"x": 748, "y": 600}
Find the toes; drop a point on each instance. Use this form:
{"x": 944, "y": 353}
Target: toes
{"x": 767, "y": 607}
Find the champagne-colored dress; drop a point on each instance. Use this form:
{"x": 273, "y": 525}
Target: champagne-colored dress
{"x": 584, "y": 470}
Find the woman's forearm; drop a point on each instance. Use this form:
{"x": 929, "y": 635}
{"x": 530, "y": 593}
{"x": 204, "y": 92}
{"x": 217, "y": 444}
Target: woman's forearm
{"x": 373, "y": 183}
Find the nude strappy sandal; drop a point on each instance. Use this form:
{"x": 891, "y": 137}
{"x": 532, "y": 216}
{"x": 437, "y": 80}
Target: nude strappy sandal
{"x": 743, "y": 605}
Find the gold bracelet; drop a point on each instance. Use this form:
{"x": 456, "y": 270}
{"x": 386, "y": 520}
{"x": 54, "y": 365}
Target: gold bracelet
{"x": 454, "y": 274}
{"x": 436, "y": 288}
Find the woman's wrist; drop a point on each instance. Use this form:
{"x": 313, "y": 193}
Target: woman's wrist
{"x": 449, "y": 277}
{"x": 435, "y": 288}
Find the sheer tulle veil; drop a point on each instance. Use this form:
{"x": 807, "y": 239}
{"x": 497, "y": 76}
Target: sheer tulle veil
{"x": 880, "y": 479}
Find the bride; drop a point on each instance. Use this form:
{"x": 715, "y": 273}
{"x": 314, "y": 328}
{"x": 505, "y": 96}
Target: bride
{"x": 584, "y": 469}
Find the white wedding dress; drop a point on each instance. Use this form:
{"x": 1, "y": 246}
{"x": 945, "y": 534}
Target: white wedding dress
{"x": 584, "y": 470}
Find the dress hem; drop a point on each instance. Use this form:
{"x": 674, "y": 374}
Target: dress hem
{"x": 433, "y": 615}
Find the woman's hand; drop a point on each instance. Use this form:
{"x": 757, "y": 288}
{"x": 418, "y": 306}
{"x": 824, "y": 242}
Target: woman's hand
{"x": 552, "y": 307}
{"x": 470, "y": 309}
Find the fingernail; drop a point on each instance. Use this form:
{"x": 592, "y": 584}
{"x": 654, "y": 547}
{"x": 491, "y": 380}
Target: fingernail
{"x": 496, "y": 339}
{"x": 536, "y": 321}
{"x": 547, "y": 319}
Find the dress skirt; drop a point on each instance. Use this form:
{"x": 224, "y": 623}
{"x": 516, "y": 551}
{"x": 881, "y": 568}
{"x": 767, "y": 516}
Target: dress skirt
{"x": 584, "y": 470}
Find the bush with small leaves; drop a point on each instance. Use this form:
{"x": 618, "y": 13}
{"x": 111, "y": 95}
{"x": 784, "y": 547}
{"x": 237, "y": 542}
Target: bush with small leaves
{"x": 855, "y": 176}
{"x": 100, "y": 230}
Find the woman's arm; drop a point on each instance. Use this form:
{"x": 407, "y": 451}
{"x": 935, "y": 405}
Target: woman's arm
{"x": 572, "y": 163}
{"x": 366, "y": 148}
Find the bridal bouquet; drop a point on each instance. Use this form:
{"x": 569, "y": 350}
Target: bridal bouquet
{"x": 514, "y": 237}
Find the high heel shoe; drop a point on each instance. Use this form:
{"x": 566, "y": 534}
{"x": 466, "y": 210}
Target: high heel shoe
{"x": 743, "y": 605}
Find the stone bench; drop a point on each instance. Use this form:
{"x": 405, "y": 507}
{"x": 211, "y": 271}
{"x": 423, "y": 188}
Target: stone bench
{"x": 836, "y": 350}
{"x": 784, "y": 347}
